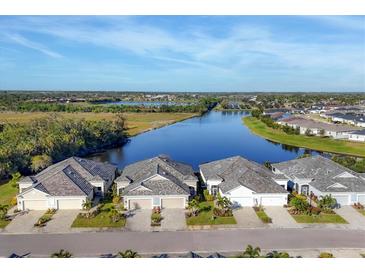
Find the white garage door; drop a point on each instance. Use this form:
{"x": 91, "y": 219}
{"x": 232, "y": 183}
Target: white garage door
{"x": 172, "y": 203}
{"x": 35, "y": 204}
{"x": 140, "y": 203}
{"x": 272, "y": 201}
{"x": 361, "y": 199}
{"x": 341, "y": 199}
{"x": 242, "y": 201}
{"x": 69, "y": 204}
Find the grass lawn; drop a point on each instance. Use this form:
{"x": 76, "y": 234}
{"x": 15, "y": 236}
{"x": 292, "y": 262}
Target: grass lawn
{"x": 321, "y": 218}
{"x": 311, "y": 142}
{"x": 7, "y": 192}
{"x": 205, "y": 218}
{"x": 135, "y": 122}
{"x": 3, "y": 223}
{"x": 263, "y": 216}
{"x": 101, "y": 220}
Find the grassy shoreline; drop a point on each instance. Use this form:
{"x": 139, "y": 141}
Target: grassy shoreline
{"x": 313, "y": 142}
{"x": 136, "y": 123}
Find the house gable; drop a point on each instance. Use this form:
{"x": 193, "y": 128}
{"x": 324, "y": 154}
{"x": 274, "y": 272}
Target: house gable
{"x": 345, "y": 175}
{"x": 240, "y": 191}
{"x": 337, "y": 185}
{"x": 32, "y": 194}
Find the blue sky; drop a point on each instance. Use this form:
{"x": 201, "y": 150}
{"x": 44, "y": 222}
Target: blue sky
{"x": 183, "y": 53}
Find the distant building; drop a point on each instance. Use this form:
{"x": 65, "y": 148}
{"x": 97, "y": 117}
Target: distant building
{"x": 357, "y": 136}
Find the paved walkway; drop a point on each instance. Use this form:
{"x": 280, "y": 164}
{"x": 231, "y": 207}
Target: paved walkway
{"x": 24, "y": 223}
{"x": 280, "y": 217}
{"x": 355, "y": 219}
{"x": 173, "y": 219}
{"x": 139, "y": 220}
{"x": 61, "y": 221}
{"x": 247, "y": 218}
{"x": 94, "y": 244}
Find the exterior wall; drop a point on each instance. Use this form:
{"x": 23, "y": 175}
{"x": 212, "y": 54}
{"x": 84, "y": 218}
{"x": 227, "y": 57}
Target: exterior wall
{"x": 357, "y": 138}
{"x": 247, "y": 197}
{"x": 155, "y": 200}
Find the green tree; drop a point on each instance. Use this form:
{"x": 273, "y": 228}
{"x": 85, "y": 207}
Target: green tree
{"x": 40, "y": 162}
{"x": 128, "y": 254}
{"x": 3, "y": 211}
{"x": 251, "y": 252}
{"x": 61, "y": 254}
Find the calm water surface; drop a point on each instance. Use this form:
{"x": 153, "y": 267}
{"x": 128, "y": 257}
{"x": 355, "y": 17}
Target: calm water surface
{"x": 213, "y": 136}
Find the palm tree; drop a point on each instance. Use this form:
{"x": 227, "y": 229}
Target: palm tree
{"x": 251, "y": 252}
{"x": 193, "y": 206}
{"x": 3, "y": 211}
{"x": 114, "y": 215}
{"x": 87, "y": 204}
{"x": 61, "y": 254}
{"x": 276, "y": 254}
{"x": 128, "y": 254}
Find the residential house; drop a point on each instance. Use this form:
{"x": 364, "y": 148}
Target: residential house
{"x": 156, "y": 182}
{"x": 322, "y": 176}
{"x": 244, "y": 182}
{"x": 318, "y": 128}
{"x": 65, "y": 185}
{"x": 357, "y": 136}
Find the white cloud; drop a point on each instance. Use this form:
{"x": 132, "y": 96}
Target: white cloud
{"x": 17, "y": 38}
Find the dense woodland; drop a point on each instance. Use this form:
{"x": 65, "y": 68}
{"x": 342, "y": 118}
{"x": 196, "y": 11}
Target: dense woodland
{"x": 28, "y": 148}
{"x": 92, "y": 102}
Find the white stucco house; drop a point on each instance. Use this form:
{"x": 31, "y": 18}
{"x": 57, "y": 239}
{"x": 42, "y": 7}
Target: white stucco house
{"x": 245, "y": 183}
{"x": 65, "y": 185}
{"x": 157, "y": 182}
{"x": 322, "y": 176}
{"x": 357, "y": 136}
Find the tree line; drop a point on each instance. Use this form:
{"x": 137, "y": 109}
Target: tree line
{"x": 28, "y": 148}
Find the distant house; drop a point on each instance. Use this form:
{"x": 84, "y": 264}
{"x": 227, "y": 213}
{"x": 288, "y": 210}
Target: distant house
{"x": 244, "y": 182}
{"x": 357, "y": 136}
{"x": 317, "y": 128}
{"x": 156, "y": 182}
{"x": 65, "y": 185}
{"x": 348, "y": 118}
{"x": 322, "y": 176}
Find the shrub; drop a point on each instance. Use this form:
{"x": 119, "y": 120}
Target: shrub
{"x": 116, "y": 199}
{"x": 299, "y": 204}
{"x": 358, "y": 206}
{"x": 205, "y": 207}
{"x": 219, "y": 212}
{"x": 208, "y": 197}
{"x": 51, "y": 211}
{"x": 314, "y": 210}
{"x": 327, "y": 202}
{"x": 156, "y": 219}
{"x": 13, "y": 201}
{"x": 325, "y": 255}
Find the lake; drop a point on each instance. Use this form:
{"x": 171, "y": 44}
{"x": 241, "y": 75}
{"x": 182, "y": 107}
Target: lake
{"x": 213, "y": 136}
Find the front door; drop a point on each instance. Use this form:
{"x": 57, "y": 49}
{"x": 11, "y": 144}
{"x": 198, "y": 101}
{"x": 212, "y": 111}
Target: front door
{"x": 214, "y": 190}
{"x": 304, "y": 190}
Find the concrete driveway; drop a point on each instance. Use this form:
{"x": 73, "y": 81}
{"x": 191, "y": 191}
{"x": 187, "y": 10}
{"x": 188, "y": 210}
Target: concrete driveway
{"x": 139, "y": 220}
{"x": 61, "y": 221}
{"x": 173, "y": 219}
{"x": 23, "y": 223}
{"x": 280, "y": 217}
{"x": 247, "y": 218}
{"x": 355, "y": 219}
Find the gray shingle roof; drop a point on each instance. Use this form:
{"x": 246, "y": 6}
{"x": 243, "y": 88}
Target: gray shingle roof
{"x": 174, "y": 173}
{"x": 324, "y": 174}
{"x": 237, "y": 171}
{"x": 71, "y": 177}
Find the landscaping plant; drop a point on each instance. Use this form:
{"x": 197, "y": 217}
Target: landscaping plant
{"x": 251, "y": 252}
{"x": 327, "y": 203}
{"x": 61, "y": 254}
{"x": 128, "y": 254}
{"x": 325, "y": 255}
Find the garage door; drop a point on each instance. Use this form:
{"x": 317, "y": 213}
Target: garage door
{"x": 140, "y": 203}
{"x": 341, "y": 199}
{"x": 272, "y": 201}
{"x": 172, "y": 203}
{"x": 361, "y": 199}
{"x": 35, "y": 204}
{"x": 242, "y": 201}
{"x": 69, "y": 204}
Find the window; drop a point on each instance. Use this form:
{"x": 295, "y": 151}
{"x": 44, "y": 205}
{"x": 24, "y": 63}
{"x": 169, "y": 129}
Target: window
{"x": 156, "y": 201}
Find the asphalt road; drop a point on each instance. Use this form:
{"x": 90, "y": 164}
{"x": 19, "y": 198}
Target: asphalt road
{"x": 97, "y": 243}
